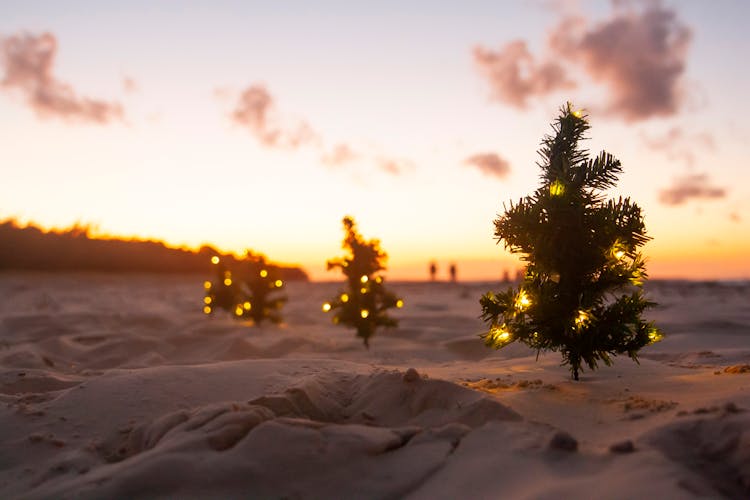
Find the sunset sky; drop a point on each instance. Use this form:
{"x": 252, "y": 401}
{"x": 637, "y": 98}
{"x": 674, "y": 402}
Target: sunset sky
{"x": 261, "y": 124}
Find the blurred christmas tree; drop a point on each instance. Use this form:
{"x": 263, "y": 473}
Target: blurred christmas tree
{"x": 581, "y": 294}
{"x": 365, "y": 304}
{"x": 264, "y": 284}
{"x": 251, "y": 293}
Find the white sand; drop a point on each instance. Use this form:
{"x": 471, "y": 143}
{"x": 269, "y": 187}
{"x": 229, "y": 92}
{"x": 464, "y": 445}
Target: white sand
{"x": 119, "y": 387}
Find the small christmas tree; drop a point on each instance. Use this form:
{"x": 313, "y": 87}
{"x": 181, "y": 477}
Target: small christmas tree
{"x": 247, "y": 294}
{"x": 264, "y": 283}
{"x": 581, "y": 293}
{"x": 365, "y": 303}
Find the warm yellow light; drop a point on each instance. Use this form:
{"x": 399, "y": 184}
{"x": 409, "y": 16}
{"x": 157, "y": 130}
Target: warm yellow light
{"x": 326, "y": 307}
{"x": 364, "y": 313}
{"x": 207, "y": 310}
{"x": 207, "y": 285}
{"x": 214, "y": 260}
{"x": 344, "y": 297}
{"x": 279, "y": 283}
{"x": 619, "y": 254}
{"x": 557, "y": 188}
{"x": 263, "y": 273}
{"x": 399, "y": 303}
{"x": 582, "y": 318}
{"x": 238, "y": 310}
{"x": 207, "y": 300}
{"x": 522, "y": 301}
{"x": 499, "y": 334}
{"x": 247, "y": 306}
{"x": 364, "y": 279}
{"x": 578, "y": 113}
{"x": 654, "y": 335}
{"x": 336, "y": 320}
{"x": 227, "y": 281}
{"x": 363, "y": 290}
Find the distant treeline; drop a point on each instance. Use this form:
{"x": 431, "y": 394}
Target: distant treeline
{"x": 72, "y": 249}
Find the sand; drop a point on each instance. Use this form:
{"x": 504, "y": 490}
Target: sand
{"x": 119, "y": 387}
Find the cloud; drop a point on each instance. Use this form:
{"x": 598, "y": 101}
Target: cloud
{"x": 689, "y": 188}
{"x": 394, "y": 166}
{"x": 514, "y": 75}
{"x": 28, "y": 61}
{"x": 639, "y": 56}
{"x": 255, "y": 110}
{"x": 490, "y": 164}
{"x": 678, "y": 145}
{"x": 339, "y": 155}
{"x": 129, "y": 85}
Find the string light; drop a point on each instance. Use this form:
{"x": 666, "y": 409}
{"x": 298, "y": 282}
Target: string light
{"x": 227, "y": 281}
{"x": 582, "y": 318}
{"x": 247, "y": 306}
{"x": 364, "y": 279}
{"x": 399, "y": 303}
{"x": 522, "y": 301}
{"x": 363, "y": 290}
{"x": 207, "y": 300}
{"x": 207, "y": 310}
{"x": 239, "y": 310}
{"x": 344, "y": 298}
{"x": 499, "y": 334}
{"x": 326, "y": 307}
{"x": 364, "y": 313}
{"x": 214, "y": 259}
{"x": 279, "y": 283}
{"x": 207, "y": 285}
{"x": 557, "y": 188}
{"x": 263, "y": 273}
{"x": 654, "y": 335}
{"x": 378, "y": 280}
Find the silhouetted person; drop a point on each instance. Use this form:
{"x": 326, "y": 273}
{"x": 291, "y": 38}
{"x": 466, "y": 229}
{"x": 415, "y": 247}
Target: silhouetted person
{"x": 453, "y": 272}
{"x": 433, "y": 270}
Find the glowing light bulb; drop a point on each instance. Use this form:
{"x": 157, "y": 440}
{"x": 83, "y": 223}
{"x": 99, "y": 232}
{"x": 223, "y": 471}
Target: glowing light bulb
{"x": 263, "y": 273}
{"x": 654, "y": 335}
{"x": 399, "y": 303}
{"x": 207, "y": 285}
{"x": 207, "y": 300}
{"x": 364, "y": 313}
{"x": 364, "y": 279}
{"x": 214, "y": 259}
{"x": 378, "y": 280}
{"x": 344, "y": 297}
{"x": 207, "y": 310}
{"x": 522, "y": 301}
{"x": 557, "y": 188}
{"x": 238, "y": 310}
{"x": 582, "y": 318}
{"x": 499, "y": 334}
{"x": 279, "y": 283}
{"x": 363, "y": 290}
{"x": 227, "y": 281}
{"x": 247, "y": 306}
{"x": 326, "y": 307}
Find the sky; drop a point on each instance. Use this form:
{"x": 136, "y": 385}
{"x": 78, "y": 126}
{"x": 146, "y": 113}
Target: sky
{"x": 261, "y": 124}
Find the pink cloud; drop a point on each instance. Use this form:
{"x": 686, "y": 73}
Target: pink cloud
{"x": 689, "y": 188}
{"x": 676, "y": 144}
{"x": 28, "y": 61}
{"x": 490, "y": 164}
{"x": 639, "y": 56}
{"x": 339, "y": 155}
{"x": 255, "y": 110}
{"x": 394, "y": 166}
{"x": 515, "y": 76}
